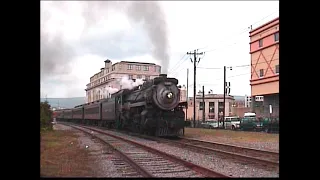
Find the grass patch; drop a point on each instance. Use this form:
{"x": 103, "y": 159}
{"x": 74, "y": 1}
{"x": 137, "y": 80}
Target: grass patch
{"x": 61, "y": 155}
{"x": 239, "y": 136}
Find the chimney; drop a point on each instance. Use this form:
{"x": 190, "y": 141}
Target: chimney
{"x": 108, "y": 63}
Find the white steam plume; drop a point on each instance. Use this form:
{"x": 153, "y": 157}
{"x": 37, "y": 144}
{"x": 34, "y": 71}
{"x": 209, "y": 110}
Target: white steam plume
{"x": 108, "y": 91}
{"x": 127, "y": 83}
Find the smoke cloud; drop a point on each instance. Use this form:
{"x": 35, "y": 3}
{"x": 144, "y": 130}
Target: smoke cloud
{"x": 57, "y": 54}
{"x": 153, "y": 19}
{"x": 148, "y": 13}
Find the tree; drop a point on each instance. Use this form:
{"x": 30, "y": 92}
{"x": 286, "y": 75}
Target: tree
{"x": 45, "y": 116}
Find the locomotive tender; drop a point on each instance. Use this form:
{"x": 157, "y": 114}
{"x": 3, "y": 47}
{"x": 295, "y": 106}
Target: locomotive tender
{"x": 152, "y": 108}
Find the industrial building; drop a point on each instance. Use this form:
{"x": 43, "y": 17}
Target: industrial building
{"x": 264, "y": 51}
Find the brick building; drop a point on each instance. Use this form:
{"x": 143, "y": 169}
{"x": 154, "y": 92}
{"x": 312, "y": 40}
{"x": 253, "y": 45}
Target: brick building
{"x": 264, "y": 50}
{"x": 111, "y": 74}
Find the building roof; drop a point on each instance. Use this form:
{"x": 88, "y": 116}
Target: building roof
{"x": 263, "y": 25}
{"x": 133, "y": 62}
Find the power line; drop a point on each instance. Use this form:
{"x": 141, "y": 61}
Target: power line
{"x": 245, "y": 65}
{"x": 174, "y": 67}
{"x": 243, "y": 31}
{"x": 236, "y": 35}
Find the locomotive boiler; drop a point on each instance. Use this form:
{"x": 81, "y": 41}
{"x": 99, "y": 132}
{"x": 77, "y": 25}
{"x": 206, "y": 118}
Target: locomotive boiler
{"x": 152, "y": 108}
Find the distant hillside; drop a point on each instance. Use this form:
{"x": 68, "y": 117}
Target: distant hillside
{"x": 64, "y": 102}
{"x": 239, "y": 98}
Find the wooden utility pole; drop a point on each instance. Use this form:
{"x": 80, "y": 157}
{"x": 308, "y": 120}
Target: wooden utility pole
{"x": 195, "y": 53}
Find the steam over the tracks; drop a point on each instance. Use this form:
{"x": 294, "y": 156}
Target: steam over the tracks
{"x": 125, "y": 83}
{"x": 56, "y": 54}
{"x": 149, "y": 13}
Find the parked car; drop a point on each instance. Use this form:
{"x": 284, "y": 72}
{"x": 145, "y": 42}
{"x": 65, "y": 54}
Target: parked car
{"x": 232, "y": 122}
{"x": 251, "y": 123}
{"x": 210, "y": 124}
{"x": 270, "y": 124}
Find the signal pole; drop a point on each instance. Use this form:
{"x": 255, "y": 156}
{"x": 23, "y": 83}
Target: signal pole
{"x": 203, "y": 106}
{"x": 224, "y": 90}
{"x": 187, "y": 94}
{"x": 224, "y": 94}
{"x": 195, "y": 53}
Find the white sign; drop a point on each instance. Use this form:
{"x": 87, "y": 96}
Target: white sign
{"x": 259, "y": 98}
{"x": 270, "y": 108}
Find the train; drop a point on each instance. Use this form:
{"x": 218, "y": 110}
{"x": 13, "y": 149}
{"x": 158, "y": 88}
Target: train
{"x": 153, "y": 108}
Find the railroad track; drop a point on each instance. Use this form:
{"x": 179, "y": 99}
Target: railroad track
{"x": 266, "y": 159}
{"x": 139, "y": 160}
{"x": 263, "y": 158}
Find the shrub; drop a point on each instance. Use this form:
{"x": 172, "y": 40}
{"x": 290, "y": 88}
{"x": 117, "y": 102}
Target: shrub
{"x": 45, "y": 116}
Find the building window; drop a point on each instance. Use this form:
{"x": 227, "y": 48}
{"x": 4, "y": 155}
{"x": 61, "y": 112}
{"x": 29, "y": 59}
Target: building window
{"x": 155, "y": 68}
{"x": 201, "y": 106}
{"x": 130, "y": 76}
{"x": 211, "y": 107}
{"x": 261, "y": 73}
{"x": 276, "y": 37}
{"x": 277, "y": 69}
{"x": 260, "y": 42}
{"x": 159, "y": 68}
{"x": 139, "y": 76}
{"x": 119, "y": 66}
{"x": 138, "y": 68}
{"x": 130, "y": 67}
{"x": 146, "y": 68}
{"x": 147, "y": 77}
{"x": 113, "y": 67}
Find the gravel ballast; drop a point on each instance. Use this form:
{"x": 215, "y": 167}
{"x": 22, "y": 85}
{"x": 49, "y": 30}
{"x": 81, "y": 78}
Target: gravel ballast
{"x": 213, "y": 162}
{"x": 100, "y": 154}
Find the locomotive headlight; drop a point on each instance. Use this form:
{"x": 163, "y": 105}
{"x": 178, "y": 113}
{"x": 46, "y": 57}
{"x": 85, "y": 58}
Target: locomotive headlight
{"x": 169, "y": 95}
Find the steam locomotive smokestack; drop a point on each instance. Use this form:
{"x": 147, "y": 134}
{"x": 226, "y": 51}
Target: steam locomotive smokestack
{"x": 163, "y": 75}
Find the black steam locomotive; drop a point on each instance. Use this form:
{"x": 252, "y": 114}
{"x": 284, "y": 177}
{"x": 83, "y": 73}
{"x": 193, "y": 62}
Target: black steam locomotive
{"x": 153, "y": 108}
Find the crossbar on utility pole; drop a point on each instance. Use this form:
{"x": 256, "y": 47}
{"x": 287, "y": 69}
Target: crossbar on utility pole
{"x": 195, "y": 53}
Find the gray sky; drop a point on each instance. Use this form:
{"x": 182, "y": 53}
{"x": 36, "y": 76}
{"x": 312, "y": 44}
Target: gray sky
{"x": 76, "y": 37}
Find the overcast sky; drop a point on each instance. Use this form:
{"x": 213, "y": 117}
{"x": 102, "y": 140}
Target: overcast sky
{"x": 76, "y": 37}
